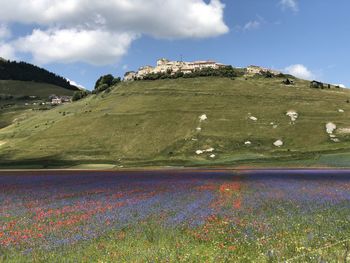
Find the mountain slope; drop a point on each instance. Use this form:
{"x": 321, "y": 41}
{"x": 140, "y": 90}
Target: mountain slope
{"x": 155, "y": 123}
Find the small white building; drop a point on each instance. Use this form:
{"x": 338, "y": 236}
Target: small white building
{"x": 130, "y": 76}
{"x": 56, "y": 101}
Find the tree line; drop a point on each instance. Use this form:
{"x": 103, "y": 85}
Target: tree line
{"x": 227, "y": 72}
{"x": 103, "y": 84}
{"x": 22, "y": 71}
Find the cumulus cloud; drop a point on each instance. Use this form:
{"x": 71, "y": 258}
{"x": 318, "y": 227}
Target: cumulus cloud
{"x": 165, "y": 19}
{"x": 72, "y": 45}
{"x": 289, "y": 4}
{"x": 300, "y": 71}
{"x": 118, "y": 23}
{"x": 4, "y": 32}
{"x": 7, "y": 51}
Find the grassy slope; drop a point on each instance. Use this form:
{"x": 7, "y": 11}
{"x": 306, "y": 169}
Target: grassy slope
{"x": 154, "y": 123}
{"x": 16, "y": 109}
{"x": 22, "y": 88}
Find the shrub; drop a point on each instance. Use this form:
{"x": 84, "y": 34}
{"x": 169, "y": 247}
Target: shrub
{"x": 227, "y": 72}
{"x": 102, "y": 87}
{"x": 78, "y": 95}
{"x": 105, "y": 82}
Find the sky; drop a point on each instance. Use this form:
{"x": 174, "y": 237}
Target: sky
{"x": 84, "y": 39}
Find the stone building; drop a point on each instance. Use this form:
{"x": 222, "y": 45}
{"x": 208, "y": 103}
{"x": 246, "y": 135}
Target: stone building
{"x": 172, "y": 67}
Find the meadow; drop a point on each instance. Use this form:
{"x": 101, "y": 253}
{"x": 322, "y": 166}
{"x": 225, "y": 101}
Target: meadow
{"x": 19, "y": 107}
{"x": 157, "y": 123}
{"x": 175, "y": 216}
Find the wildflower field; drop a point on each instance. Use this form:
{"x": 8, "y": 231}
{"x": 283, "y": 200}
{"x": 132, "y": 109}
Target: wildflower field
{"x": 175, "y": 216}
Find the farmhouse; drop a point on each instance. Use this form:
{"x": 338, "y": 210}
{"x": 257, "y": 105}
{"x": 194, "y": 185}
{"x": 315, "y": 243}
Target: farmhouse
{"x": 57, "y": 100}
{"x": 171, "y": 67}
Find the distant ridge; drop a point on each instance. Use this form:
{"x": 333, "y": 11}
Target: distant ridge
{"x": 22, "y": 71}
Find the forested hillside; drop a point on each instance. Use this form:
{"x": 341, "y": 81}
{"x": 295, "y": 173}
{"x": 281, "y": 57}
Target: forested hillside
{"x": 12, "y": 70}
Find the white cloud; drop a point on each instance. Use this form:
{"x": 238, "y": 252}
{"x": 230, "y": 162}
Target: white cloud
{"x": 66, "y": 24}
{"x": 7, "y": 51}
{"x": 164, "y": 19}
{"x": 72, "y": 82}
{"x": 300, "y": 71}
{"x": 72, "y": 45}
{"x": 252, "y": 25}
{"x": 289, "y": 4}
{"x": 4, "y": 32}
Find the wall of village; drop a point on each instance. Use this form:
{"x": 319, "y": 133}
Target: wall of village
{"x": 164, "y": 66}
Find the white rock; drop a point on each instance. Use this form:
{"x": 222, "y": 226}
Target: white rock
{"x": 199, "y": 129}
{"x": 199, "y": 152}
{"x": 253, "y": 118}
{"x": 193, "y": 139}
{"x": 272, "y": 123}
{"x": 210, "y": 150}
{"x": 332, "y": 136}
{"x": 248, "y": 143}
{"x": 331, "y": 127}
{"x": 341, "y": 111}
{"x": 275, "y": 126}
{"x": 335, "y": 140}
{"x": 293, "y": 115}
{"x": 212, "y": 156}
{"x": 278, "y": 143}
{"x": 203, "y": 117}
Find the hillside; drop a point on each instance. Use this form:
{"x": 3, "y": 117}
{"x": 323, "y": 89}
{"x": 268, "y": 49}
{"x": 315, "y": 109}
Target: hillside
{"x": 158, "y": 123}
{"x": 24, "y": 87}
{"x": 22, "y": 99}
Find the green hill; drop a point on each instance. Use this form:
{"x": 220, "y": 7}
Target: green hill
{"x": 25, "y": 87}
{"x": 22, "y": 99}
{"x": 156, "y": 123}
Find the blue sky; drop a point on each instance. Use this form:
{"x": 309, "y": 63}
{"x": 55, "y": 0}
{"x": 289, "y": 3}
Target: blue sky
{"x": 82, "y": 40}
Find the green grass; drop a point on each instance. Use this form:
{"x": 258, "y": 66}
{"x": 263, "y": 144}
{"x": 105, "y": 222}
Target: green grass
{"x": 154, "y": 123}
{"x": 29, "y": 88}
{"x": 18, "y": 109}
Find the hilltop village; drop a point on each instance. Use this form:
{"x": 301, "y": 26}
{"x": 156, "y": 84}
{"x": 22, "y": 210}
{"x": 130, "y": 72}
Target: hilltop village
{"x": 172, "y": 67}
{"x": 165, "y": 66}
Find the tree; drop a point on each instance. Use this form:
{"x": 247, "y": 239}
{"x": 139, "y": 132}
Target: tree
{"x": 78, "y": 95}
{"x": 105, "y": 82}
{"x": 12, "y": 70}
{"x": 102, "y": 87}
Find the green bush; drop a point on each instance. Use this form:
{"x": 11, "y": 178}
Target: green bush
{"x": 105, "y": 82}
{"x": 227, "y": 72}
{"x": 78, "y": 95}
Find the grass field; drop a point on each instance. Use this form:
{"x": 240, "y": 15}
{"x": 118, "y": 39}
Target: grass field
{"x": 19, "y": 108}
{"x": 175, "y": 216}
{"x": 154, "y": 123}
